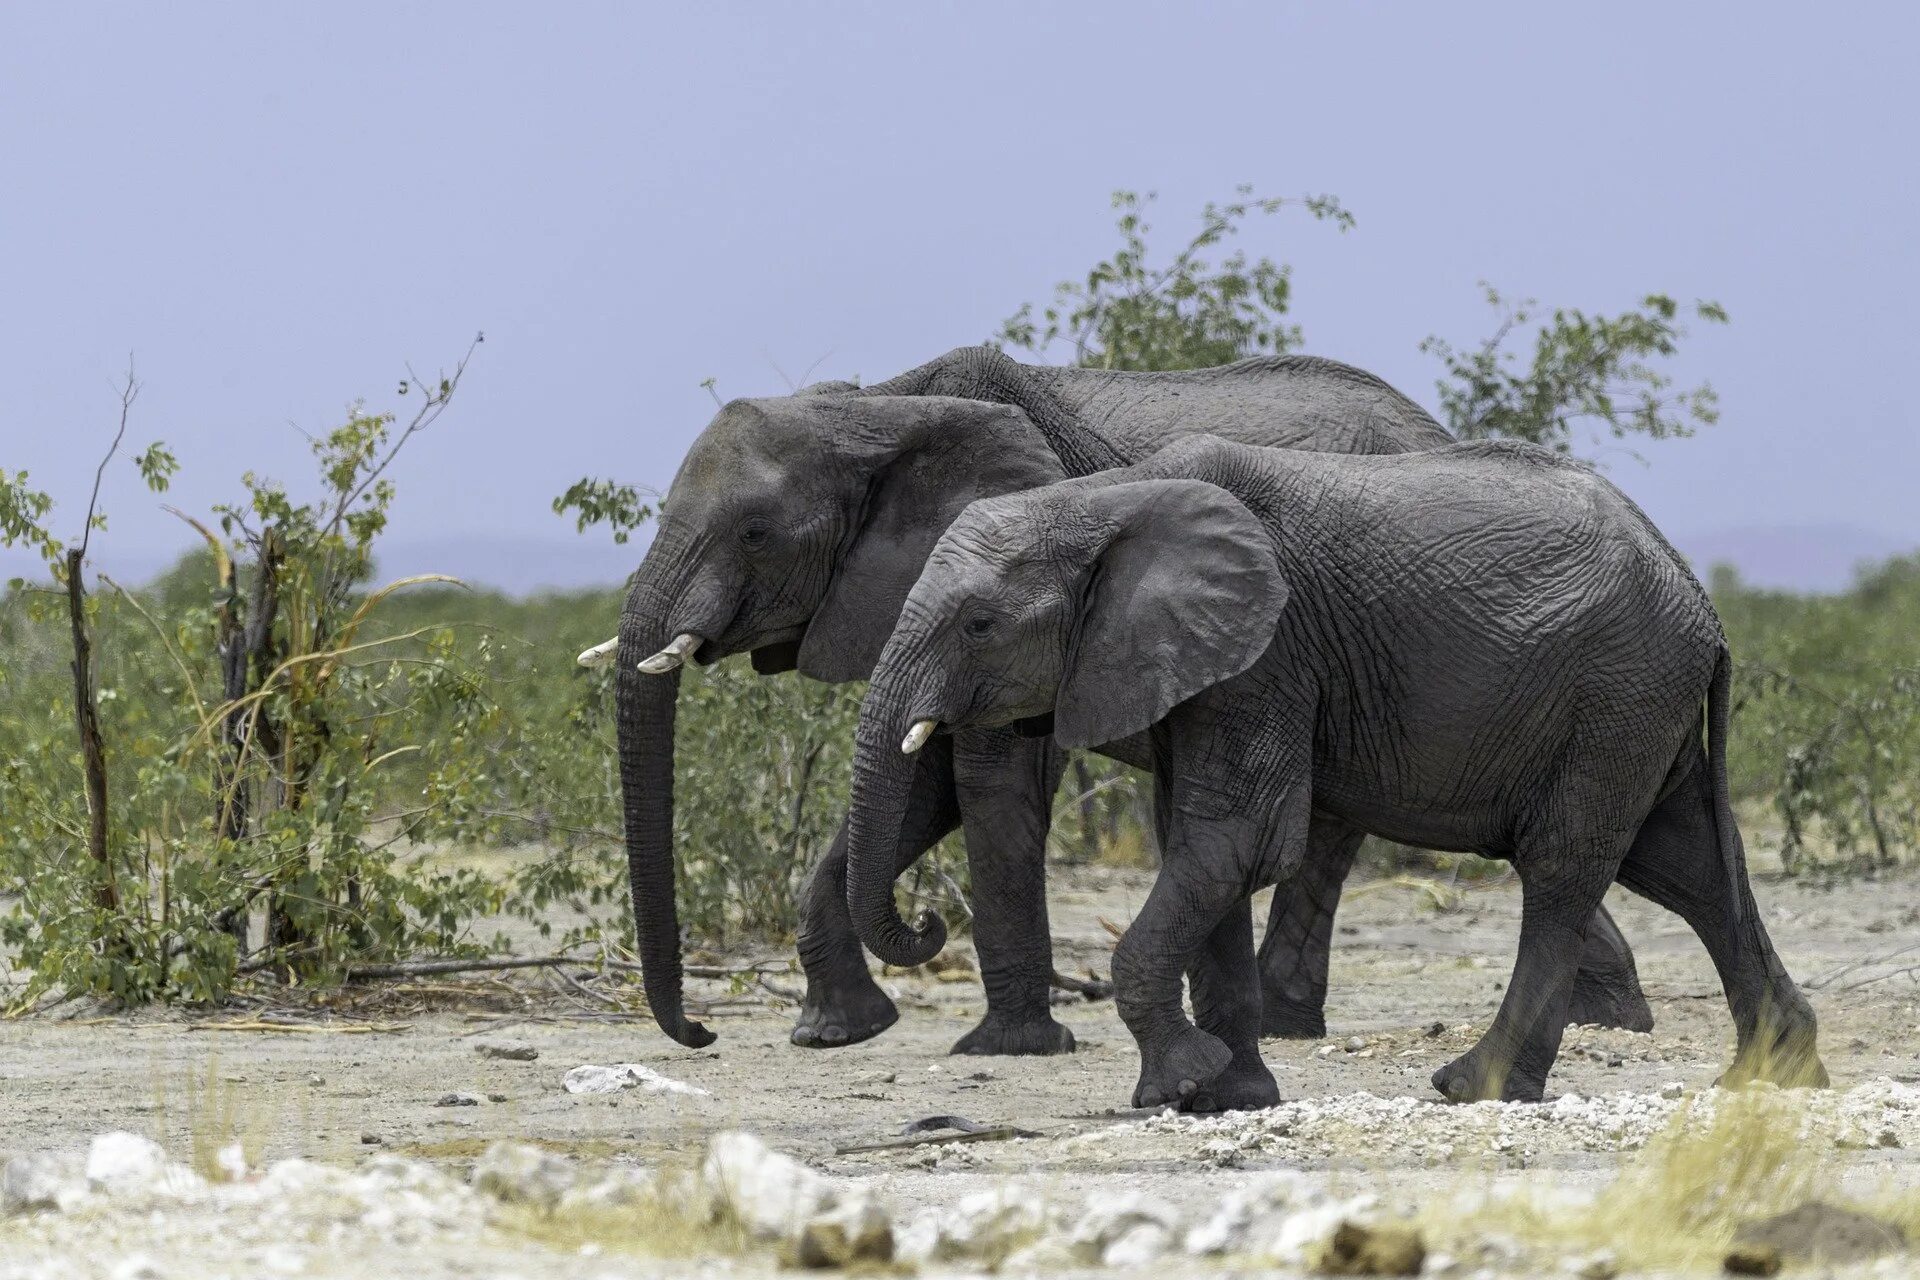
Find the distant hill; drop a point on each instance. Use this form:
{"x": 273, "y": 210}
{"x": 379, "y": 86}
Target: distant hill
{"x": 1793, "y": 558}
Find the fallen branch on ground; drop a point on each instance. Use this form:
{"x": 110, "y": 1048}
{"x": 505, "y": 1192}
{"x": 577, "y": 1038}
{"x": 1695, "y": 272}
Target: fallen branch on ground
{"x": 331, "y": 1028}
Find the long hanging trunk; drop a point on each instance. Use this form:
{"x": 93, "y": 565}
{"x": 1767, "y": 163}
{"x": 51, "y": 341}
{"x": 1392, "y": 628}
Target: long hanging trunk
{"x": 882, "y": 778}
{"x": 645, "y": 707}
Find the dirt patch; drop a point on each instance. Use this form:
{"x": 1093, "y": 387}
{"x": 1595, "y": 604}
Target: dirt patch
{"x": 1360, "y": 1117}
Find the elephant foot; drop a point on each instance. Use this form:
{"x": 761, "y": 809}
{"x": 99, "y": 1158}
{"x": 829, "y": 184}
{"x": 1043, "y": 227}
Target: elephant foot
{"x": 1788, "y": 1060}
{"x": 1475, "y": 1077}
{"x": 1180, "y": 1068}
{"x": 1605, "y": 1002}
{"x": 1283, "y": 1019}
{"x": 832, "y": 1017}
{"x": 1036, "y": 1037}
{"x": 1243, "y": 1086}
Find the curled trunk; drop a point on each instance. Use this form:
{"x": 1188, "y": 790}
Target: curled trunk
{"x": 646, "y": 706}
{"x": 882, "y": 779}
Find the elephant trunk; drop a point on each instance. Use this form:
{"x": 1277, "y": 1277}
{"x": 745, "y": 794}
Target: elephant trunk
{"x": 882, "y": 778}
{"x": 645, "y": 706}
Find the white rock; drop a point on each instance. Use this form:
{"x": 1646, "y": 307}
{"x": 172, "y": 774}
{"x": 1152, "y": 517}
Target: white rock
{"x": 30, "y": 1184}
{"x": 771, "y": 1194}
{"x": 283, "y": 1260}
{"x": 1266, "y": 1201}
{"x": 519, "y": 1173}
{"x": 856, "y": 1229}
{"x": 919, "y": 1239}
{"x": 1298, "y": 1233}
{"x": 231, "y": 1161}
{"x": 122, "y": 1157}
{"x": 1138, "y": 1245}
{"x": 991, "y": 1224}
{"x": 624, "y": 1075}
{"x": 135, "y": 1266}
{"x": 1129, "y": 1225}
{"x": 121, "y": 1163}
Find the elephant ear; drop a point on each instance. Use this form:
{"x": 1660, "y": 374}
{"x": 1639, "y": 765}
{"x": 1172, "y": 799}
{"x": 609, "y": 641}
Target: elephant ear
{"x": 1184, "y": 593}
{"x": 925, "y": 459}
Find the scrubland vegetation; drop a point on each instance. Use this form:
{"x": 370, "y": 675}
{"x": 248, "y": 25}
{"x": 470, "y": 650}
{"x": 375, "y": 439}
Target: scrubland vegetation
{"x": 273, "y": 758}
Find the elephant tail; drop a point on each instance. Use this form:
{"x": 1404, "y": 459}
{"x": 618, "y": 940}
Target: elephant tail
{"x": 1725, "y": 829}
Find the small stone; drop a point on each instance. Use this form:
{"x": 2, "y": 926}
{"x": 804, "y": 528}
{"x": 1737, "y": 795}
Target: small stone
{"x": 1326, "y": 1050}
{"x": 1598, "y": 1265}
{"x": 1436, "y": 1029}
{"x": 316, "y": 1080}
{"x": 459, "y": 1099}
{"x": 496, "y": 1097}
{"x": 1672, "y": 1090}
{"x": 1615, "y": 1060}
{"x": 1888, "y": 1138}
{"x": 1821, "y": 1233}
{"x": 371, "y": 1139}
{"x": 1356, "y": 1043}
{"x": 1386, "y": 1250}
{"x": 506, "y": 1050}
{"x": 857, "y": 1230}
{"x": 877, "y": 1077}
{"x": 1751, "y": 1260}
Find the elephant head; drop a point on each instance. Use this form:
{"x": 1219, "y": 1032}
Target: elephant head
{"x": 794, "y": 530}
{"x": 1092, "y": 607}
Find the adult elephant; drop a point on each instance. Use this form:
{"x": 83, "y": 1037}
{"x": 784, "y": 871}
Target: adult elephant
{"x": 794, "y": 530}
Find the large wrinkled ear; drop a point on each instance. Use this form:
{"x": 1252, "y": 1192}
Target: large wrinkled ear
{"x": 1184, "y": 593}
{"x": 925, "y": 459}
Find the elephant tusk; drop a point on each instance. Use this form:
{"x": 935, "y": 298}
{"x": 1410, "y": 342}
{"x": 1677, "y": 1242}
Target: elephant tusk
{"x": 601, "y": 654}
{"x": 917, "y": 736}
{"x": 672, "y": 656}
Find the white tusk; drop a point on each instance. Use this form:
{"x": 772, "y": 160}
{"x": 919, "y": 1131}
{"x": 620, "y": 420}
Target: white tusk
{"x": 917, "y": 736}
{"x": 601, "y": 654}
{"x": 672, "y": 656}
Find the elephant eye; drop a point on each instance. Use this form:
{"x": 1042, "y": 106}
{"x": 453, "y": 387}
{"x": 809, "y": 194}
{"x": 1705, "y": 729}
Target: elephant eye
{"x": 755, "y": 533}
{"x": 979, "y": 626}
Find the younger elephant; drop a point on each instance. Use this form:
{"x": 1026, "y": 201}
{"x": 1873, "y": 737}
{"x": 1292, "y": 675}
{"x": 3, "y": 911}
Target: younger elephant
{"x": 1484, "y": 647}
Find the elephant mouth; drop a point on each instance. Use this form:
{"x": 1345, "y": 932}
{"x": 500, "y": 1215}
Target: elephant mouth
{"x": 711, "y": 651}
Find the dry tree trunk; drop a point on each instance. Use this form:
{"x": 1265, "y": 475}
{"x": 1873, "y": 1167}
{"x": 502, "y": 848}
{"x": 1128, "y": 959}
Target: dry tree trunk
{"x": 93, "y": 752}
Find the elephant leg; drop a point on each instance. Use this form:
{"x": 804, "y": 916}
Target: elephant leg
{"x": 1295, "y": 952}
{"x": 1225, "y": 983}
{"x": 843, "y": 1004}
{"x": 1005, "y": 786}
{"x": 1561, "y": 886}
{"x": 1606, "y": 990}
{"x": 1676, "y": 861}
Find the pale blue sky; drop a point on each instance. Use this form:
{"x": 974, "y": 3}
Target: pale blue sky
{"x": 274, "y": 207}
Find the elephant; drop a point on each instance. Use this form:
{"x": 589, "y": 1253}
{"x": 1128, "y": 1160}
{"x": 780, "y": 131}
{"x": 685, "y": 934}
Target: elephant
{"x": 793, "y": 531}
{"x": 1482, "y": 647}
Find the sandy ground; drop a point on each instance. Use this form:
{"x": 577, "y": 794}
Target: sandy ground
{"x": 1400, "y": 966}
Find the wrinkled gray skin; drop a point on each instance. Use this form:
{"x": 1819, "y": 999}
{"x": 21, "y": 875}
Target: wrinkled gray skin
{"x": 1476, "y": 648}
{"x": 795, "y": 528}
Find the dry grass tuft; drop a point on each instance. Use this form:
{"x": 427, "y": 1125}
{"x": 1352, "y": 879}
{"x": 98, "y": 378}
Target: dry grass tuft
{"x": 672, "y": 1218}
{"x": 1723, "y": 1160}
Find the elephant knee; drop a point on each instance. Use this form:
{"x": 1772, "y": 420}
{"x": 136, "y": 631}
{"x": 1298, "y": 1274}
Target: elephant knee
{"x": 1136, "y": 973}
